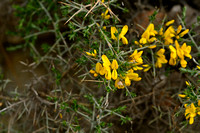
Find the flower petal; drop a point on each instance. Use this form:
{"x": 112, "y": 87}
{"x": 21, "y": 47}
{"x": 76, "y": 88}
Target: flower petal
{"x": 124, "y": 30}
{"x": 182, "y": 95}
{"x": 124, "y": 40}
{"x": 114, "y": 64}
{"x": 127, "y": 81}
{"x": 105, "y": 60}
{"x": 114, "y": 74}
{"x": 179, "y": 29}
{"x": 113, "y": 30}
{"x": 184, "y": 32}
{"x": 92, "y": 71}
{"x": 108, "y": 75}
{"x": 98, "y": 67}
{"x": 169, "y": 22}
{"x": 191, "y": 121}
{"x": 183, "y": 63}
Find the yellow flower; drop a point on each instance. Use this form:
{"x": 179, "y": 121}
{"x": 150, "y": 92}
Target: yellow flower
{"x": 173, "y": 55}
{"x": 178, "y": 31}
{"x": 122, "y": 34}
{"x": 147, "y": 67}
{"x": 130, "y": 75}
{"x": 198, "y": 67}
{"x": 151, "y": 30}
{"x": 94, "y": 54}
{"x": 104, "y": 27}
{"x": 152, "y": 47}
{"x": 113, "y": 30}
{"x": 161, "y": 58}
{"x": 127, "y": 81}
{"x": 130, "y": 71}
{"x": 145, "y": 38}
{"x": 182, "y": 33}
{"x": 187, "y": 83}
{"x": 180, "y": 52}
{"x": 94, "y": 73}
{"x": 103, "y": 70}
{"x": 137, "y": 43}
{"x": 169, "y": 22}
{"x": 119, "y": 84}
{"x": 106, "y": 69}
{"x": 160, "y": 31}
{"x": 136, "y": 57}
{"x": 114, "y": 74}
{"x": 172, "y": 61}
{"x": 190, "y": 112}
{"x": 169, "y": 33}
{"x": 114, "y": 64}
{"x": 182, "y": 95}
{"x": 135, "y": 67}
{"x": 98, "y": 67}
{"x": 133, "y": 76}
{"x": 104, "y": 15}
{"x": 183, "y": 63}
{"x": 108, "y": 74}
{"x": 186, "y": 50}
{"x": 102, "y": 1}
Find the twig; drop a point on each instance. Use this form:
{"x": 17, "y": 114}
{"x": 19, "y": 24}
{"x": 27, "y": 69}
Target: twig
{"x": 92, "y": 8}
{"x": 12, "y": 105}
{"x": 77, "y": 12}
{"x": 91, "y": 81}
{"x": 47, "y": 121}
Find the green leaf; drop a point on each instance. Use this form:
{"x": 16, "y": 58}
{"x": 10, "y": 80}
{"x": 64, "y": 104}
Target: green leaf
{"x": 58, "y": 75}
{"x": 153, "y": 16}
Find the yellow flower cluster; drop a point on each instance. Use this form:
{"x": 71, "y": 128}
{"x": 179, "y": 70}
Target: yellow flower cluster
{"x": 180, "y": 52}
{"x": 161, "y": 58}
{"x": 129, "y": 76}
{"x": 105, "y": 69}
{"x": 110, "y": 71}
{"x": 149, "y": 35}
{"x": 136, "y": 57}
{"x": 170, "y": 33}
{"x": 190, "y": 110}
{"x": 168, "y": 38}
